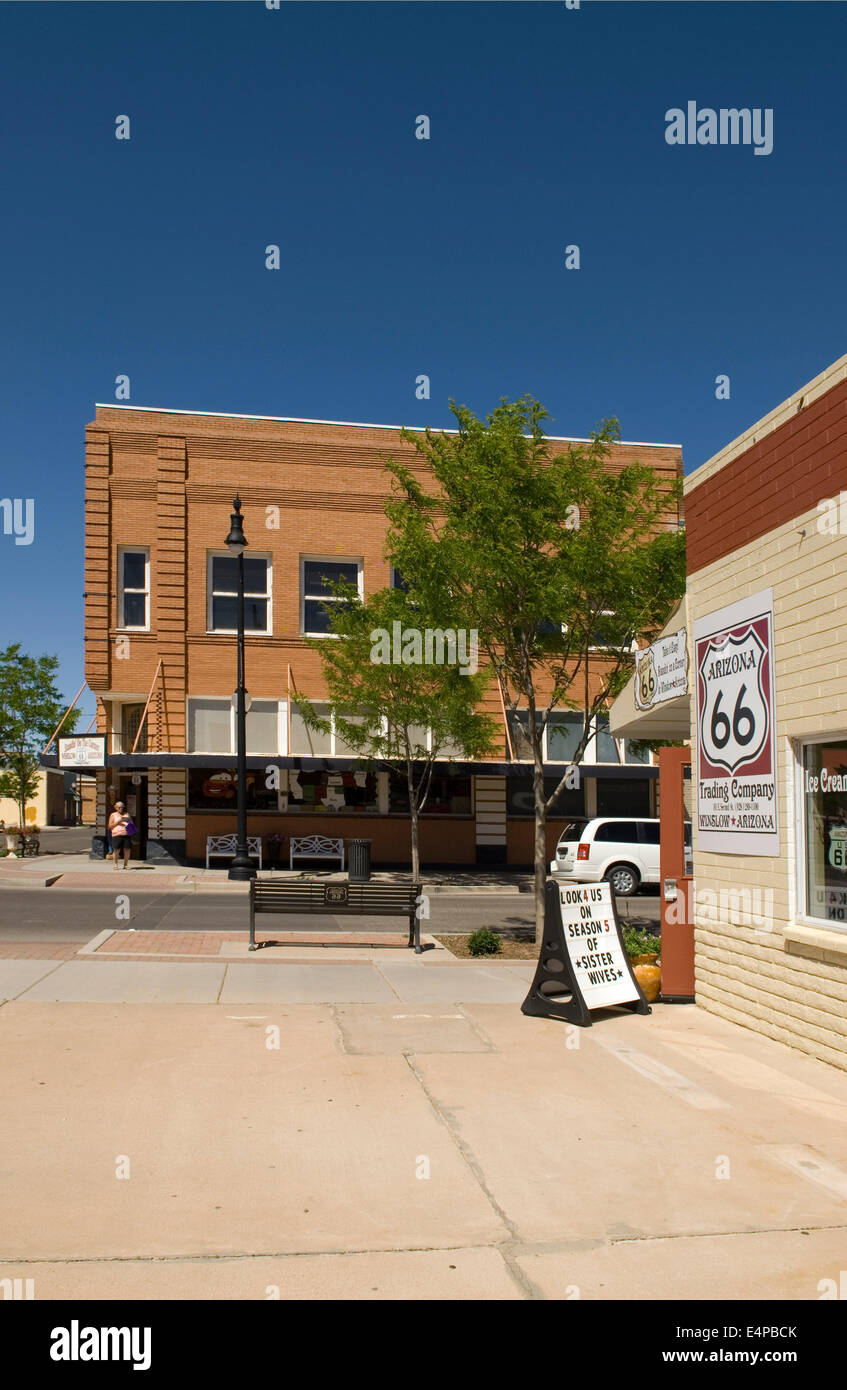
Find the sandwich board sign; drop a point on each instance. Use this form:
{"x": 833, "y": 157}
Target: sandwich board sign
{"x": 583, "y": 964}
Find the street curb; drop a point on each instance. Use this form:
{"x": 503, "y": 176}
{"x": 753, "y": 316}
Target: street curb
{"x": 96, "y": 942}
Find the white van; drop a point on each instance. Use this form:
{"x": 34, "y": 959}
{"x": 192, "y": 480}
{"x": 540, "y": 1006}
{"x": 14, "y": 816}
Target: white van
{"x": 623, "y": 851}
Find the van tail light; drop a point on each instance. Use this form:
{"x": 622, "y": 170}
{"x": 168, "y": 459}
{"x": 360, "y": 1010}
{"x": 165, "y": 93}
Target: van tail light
{"x": 582, "y": 852}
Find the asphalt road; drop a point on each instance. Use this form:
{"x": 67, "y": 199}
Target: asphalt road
{"x": 53, "y": 914}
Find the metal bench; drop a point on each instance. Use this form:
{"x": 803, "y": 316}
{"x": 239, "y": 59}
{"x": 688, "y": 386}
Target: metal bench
{"x": 315, "y": 847}
{"x": 317, "y": 898}
{"x": 224, "y": 846}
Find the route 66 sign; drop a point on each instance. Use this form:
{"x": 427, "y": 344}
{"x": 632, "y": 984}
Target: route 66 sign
{"x": 837, "y": 852}
{"x": 646, "y": 680}
{"x": 737, "y": 782}
{"x": 734, "y": 718}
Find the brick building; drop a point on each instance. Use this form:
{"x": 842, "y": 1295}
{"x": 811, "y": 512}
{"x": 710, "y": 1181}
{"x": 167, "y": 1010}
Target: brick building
{"x": 159, "y": 634}
{"x": 766, "y": 528}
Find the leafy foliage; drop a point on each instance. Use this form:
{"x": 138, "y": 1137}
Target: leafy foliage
{"x": 638, "y": 942}
{"x": 484, "y": 942}
{"x": 562, "y": 561}
{"x": 31, "y": 706}
{"x": 383, "y": 709}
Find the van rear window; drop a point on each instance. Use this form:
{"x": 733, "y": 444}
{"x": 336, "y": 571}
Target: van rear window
{"x": 573, "y": 830}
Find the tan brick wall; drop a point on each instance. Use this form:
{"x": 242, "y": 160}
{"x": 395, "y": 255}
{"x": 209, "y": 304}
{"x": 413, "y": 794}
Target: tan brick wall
{"x": 793, "y": 991}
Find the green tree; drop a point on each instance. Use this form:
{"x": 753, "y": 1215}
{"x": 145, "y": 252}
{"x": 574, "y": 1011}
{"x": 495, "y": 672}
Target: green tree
{"x": 382, "y": 708}
{"x": 560, "y": 561}
{"x": 31, "y": 706}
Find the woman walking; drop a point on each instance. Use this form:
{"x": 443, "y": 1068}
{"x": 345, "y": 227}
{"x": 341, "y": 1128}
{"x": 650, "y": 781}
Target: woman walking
{"x": 121, "y": 838}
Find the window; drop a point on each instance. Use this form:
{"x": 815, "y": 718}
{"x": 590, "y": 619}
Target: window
{"x": 329, "y": 792}
{"x": 605, "y": 747}
{"x": 215, "y": 789}
{"x": 618, "y": 796}
{"x": 210, "y": 726}
{"x": 618, "y": 832}
{"x": 397, "y": 580}
{"x": 520, "y": 798}
{"x": 650, "y": 832}
{"x": 262, "y": 728}
{"x": 222, "y": 614}
{"x": 130, "y": 720}
{"x": 563, "y": 734}
{"x": 134, "y": 588}
{"x": 316, "y": 596}
{"x": 448, "y": 796}
{"x": 824, "y": 796}
{"x": 311, "y": 743}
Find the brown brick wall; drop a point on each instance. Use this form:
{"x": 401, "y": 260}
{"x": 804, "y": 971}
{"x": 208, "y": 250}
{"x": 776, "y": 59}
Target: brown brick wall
{"x": 166, "y": 481}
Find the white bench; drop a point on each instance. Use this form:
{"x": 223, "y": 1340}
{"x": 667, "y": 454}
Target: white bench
{"x": 224, "y": 846}
{"x": 315, "y": 847}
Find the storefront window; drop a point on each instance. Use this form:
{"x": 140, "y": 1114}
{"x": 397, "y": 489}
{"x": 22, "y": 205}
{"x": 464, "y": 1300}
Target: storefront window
{"x": 323, "y": 792}
{"x": 214, "y": 789}
{"x": 520, "y": 797}
{"x": 825, "y": 810}
{"x": 448, "y": 796}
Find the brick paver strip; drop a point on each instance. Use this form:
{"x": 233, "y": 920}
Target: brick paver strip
{"x": 165, "y": 943}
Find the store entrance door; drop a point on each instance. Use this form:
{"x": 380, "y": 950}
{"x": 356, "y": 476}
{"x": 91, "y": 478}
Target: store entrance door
{"x": 134, "y": 798}
{"x": 676, "y": 880}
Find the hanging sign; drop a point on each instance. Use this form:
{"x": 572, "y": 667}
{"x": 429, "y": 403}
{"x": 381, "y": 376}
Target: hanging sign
{"x": 736, "y": 744}
{"x": 661, "y": 671}
{"x": 583, "y": 964}
{"x": 85, "y": 751}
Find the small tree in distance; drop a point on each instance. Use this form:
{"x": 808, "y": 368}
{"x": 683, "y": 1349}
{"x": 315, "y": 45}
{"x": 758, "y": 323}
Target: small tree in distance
{"x": 560, "y": 562}
{"x": 399, "y": 715}
{"x": 30, "y": 708}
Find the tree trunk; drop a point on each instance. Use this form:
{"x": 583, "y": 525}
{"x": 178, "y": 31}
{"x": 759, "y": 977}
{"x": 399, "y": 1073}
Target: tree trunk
{"x": 413, "y": 822}
{"x": 540, "y": 851}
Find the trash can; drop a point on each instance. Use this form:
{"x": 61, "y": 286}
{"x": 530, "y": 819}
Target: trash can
{"x": 359, "y": 861}
{"x": 99, "y": 847}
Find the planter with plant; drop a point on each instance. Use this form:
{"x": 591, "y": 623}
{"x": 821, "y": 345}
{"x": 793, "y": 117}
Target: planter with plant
{"x": 644, "y": 951}
{"x": 484, "y": 943}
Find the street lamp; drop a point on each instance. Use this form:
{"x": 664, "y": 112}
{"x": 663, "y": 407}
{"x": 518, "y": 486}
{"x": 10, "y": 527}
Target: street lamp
{"x": 241, "y": 867}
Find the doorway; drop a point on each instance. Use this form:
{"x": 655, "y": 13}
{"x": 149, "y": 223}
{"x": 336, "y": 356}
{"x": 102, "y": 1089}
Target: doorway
{"x": 134, "y": 798}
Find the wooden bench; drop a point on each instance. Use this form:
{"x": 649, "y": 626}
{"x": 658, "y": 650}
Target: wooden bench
{"x": 315, "y": 847}
{"x": 317, "y": 898}
{"x": 224, "y": 846}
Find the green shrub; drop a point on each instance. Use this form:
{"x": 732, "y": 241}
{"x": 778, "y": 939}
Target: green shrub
{"x": 484, "y": 943}
{"x": 638, "y": 942}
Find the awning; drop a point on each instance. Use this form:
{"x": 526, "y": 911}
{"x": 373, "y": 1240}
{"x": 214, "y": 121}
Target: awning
{"x": 666, "y": 719}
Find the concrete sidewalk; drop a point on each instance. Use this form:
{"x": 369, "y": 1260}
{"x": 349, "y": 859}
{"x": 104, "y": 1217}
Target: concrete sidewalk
{"x": 258, "y": 1148}
{"x": 78, "y": 871}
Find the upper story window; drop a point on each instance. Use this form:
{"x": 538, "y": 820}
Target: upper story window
{"x": 133, "y": 587}
{"x": 222, "y": 609}
{"x": 316, "y": 596}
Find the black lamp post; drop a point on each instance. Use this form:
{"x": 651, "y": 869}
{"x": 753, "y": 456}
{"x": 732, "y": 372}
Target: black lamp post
{"x": 241, "y": 867}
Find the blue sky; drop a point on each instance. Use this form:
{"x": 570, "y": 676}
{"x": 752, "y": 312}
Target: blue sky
{"x": 401, "y": 256}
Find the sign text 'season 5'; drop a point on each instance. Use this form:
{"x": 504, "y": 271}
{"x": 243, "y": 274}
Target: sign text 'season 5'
{"x": 737, "y": 785}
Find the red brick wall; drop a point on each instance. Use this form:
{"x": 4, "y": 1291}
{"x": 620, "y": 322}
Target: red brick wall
{"x": 788, "y": 471}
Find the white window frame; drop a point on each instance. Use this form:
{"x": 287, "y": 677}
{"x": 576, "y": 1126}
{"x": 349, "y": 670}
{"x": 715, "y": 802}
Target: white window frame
{"x": 133, "y": 550}
{"x": 796, "y": 761}
{"x": 253, "y": 631}
{"x": 281, "y": 725}
{"x": 328, "y": 560}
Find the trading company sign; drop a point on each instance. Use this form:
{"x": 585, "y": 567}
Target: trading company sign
{"x": 83, "y": 751}
{"x": 661, "y": 671}
{"x": 736, "y": 746}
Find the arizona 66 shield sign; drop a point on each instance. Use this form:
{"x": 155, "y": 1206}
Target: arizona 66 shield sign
{"x": 736, "y": 744}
